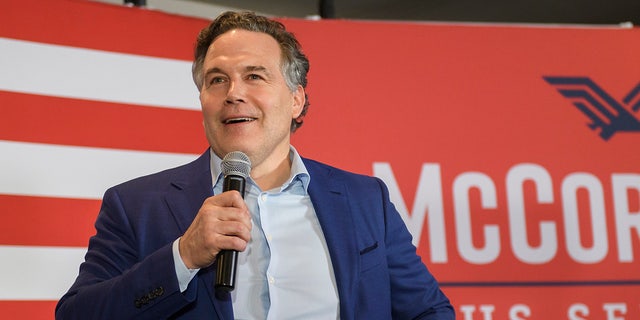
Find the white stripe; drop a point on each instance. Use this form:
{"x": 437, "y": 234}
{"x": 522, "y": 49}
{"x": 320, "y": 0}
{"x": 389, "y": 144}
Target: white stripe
{"x": 60, "y": 71}
{"x": 75, "y": 172}
{"x": 38, "y": 273}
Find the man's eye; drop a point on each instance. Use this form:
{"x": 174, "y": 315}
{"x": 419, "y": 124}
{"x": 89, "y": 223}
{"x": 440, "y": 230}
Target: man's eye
{"x": 216, "y": 80}
{"x": 254, "y": 77}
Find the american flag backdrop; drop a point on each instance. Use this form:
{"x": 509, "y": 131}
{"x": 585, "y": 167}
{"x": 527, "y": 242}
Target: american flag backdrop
{"x": 91, "y": 95}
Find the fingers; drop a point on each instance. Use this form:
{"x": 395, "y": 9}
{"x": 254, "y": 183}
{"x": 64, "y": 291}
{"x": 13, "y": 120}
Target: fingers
{"x": 222, "y": 223}
{"x": 235, "y": 210}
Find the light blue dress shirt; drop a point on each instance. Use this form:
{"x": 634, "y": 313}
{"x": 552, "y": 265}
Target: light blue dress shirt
{"x": 286, "y": 271}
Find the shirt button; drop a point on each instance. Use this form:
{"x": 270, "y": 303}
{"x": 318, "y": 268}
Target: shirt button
{"x": 271, "y": 280}
{"x": 269, "y": 237}
{"x": 263, "y": 197}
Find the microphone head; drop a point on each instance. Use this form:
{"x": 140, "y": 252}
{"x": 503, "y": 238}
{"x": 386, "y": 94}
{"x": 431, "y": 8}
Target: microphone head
{"x": 236, "y": 163}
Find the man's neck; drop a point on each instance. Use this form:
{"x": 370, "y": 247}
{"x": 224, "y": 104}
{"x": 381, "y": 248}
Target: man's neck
{"x": 275, "y": 178}
{"x": 272, "y": 174}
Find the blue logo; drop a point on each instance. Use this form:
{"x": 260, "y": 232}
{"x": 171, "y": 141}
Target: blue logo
{"x": 605, "y": 112}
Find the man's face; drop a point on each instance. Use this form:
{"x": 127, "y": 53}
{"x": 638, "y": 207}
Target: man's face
{"x": 245, "y": 100}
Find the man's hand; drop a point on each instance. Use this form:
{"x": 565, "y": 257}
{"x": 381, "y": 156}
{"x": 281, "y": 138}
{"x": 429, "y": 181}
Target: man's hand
{"x": 222, "y": 223}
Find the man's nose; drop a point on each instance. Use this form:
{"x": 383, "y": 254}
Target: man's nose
{"x": 235, "y": 92}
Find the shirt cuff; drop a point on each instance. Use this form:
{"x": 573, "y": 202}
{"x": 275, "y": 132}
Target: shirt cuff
{"x": 184, "y": 274}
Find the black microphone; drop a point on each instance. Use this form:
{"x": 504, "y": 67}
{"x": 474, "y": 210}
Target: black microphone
{"x": 236, "y": 167}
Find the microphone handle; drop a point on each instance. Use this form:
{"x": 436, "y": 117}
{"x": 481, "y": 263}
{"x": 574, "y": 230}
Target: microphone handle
{"x": 227, "y": 260}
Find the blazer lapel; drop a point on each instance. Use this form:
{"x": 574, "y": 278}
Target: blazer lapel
{"x": 191, "y": 190}
{"x": 329, "y": 199}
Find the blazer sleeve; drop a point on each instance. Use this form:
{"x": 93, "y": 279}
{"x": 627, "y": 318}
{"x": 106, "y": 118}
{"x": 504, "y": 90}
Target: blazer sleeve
{"x": 118, "y": 279}
{"x": 415, "y": 293}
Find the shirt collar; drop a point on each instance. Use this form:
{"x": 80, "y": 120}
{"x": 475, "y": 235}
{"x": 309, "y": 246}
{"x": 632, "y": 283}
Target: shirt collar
{"x": 298, "y": 170}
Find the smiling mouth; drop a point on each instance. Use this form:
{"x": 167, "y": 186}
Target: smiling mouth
{"x": 238, "y": 120}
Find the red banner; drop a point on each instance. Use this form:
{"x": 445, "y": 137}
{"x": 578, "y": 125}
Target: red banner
{"x": 510, "y": 150}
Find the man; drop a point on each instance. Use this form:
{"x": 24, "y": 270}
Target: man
{"x": 315, "y": 242}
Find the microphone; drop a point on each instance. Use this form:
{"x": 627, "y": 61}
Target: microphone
{"x": 236, "y": 167}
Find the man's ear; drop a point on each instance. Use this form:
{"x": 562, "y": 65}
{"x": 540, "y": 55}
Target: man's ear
{"x": 299, "y": 99}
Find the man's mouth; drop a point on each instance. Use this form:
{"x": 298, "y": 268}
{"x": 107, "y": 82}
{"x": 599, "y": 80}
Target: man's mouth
{"x": 238, "y": 120}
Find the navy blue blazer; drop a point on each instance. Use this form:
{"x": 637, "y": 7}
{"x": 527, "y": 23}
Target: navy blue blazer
{"x": 128, "y": 271}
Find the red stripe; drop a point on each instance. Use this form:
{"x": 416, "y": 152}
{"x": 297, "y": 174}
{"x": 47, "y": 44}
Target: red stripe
{"x": 101, "y": 26}
{"x": 42, "y": 119}
{"x": 40, "y": 221}
{"x": 32, "y": 310}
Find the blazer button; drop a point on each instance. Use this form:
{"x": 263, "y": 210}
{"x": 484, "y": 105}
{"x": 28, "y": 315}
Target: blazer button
{"x": 148, "y": 297}
{"x": 158, "y": 292}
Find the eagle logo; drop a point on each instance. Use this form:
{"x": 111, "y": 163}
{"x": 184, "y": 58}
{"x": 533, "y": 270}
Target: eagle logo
{"x": 606, "y": 113}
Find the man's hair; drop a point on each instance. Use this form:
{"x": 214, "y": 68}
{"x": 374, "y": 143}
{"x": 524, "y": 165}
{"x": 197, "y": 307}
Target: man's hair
{"x": 295, "y": 64}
